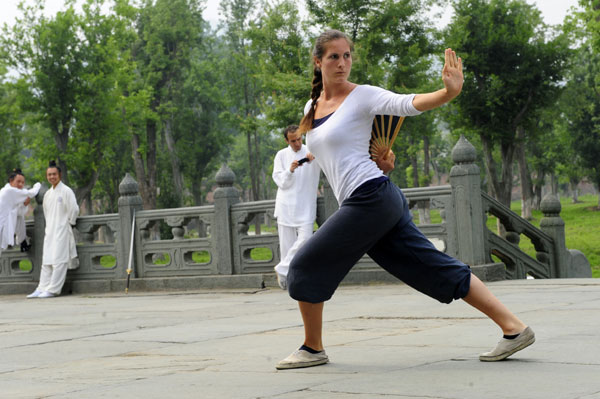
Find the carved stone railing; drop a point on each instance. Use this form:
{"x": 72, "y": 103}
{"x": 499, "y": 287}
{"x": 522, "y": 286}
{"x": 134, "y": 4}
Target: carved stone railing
{"x": 97, "y": 247}
{"x": 218, "y": 239}
{"x": 242, "y": 214}
{"x": 439, "y": 197}
{"x": 16, "y": 265}
{"x": 175, "y": 242}
{"x": 519, "y": 264}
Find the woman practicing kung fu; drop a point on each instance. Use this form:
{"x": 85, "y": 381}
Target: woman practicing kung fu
{"x": 374, "y": 217}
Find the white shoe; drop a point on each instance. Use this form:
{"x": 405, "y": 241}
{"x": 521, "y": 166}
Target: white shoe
{"x": 34, "y": 294}
{"x": 507, "y": 347}
{"x": 302, "y": 358}
{"x": 46, "y": 294}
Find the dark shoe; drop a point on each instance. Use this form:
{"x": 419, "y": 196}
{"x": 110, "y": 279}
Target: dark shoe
{"x": 507, "y": 347}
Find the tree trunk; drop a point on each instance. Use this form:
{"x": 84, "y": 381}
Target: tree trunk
{"x": 257, "y": 165}
{"x": 146, "y": 171}
{"x": 175, "y": 163}
{"x": 538, "y": 184}
{"x": 554, "y": 184}
{"x": 499, "y": 189}
{"x": 525, "y": 177}
{"x": 61, "y": 138}
{"x": 252, "y": 171}
{"x": 151, "y": 162}
{"x": 415, "y": 171}
{"x": 424, "y": 212}
{"x": 537, "y": 205}
{"x": 83, "y": 193}
{"x": 573, "y": 183}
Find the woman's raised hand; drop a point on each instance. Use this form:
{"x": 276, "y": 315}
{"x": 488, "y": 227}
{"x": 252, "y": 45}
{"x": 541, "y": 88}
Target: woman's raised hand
{"x": 452, "y": 74}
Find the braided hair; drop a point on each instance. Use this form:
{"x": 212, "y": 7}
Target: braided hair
{"x": 15, "y": 172}
{"x": 317, "y": 82}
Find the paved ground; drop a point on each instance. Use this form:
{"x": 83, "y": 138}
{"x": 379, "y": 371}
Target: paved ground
{"x": 384, "y": 341}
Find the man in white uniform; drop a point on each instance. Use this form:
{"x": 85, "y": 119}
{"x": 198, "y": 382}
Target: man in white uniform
{"x": 60, "y": 253}
{"x": 14, "y": 202}
{"x": 297, "y": 177}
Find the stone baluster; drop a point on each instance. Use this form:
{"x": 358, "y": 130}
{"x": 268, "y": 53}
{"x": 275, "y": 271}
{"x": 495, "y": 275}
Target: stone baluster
{"x": 129, "y": 202}
{"x": 176, "y": 224}
{"x": 553, "y": 225}
{"x": 466, "y": 240}
{"x": 225, "y": 196}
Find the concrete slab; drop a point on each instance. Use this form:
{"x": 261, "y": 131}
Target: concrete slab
{"x": 384, "y": 341}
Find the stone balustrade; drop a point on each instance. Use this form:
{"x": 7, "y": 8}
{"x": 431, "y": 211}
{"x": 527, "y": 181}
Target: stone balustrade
{"x": 220, "y": 239}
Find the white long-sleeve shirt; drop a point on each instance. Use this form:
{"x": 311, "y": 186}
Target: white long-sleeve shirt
{"x": 341, "y": 144}
{"x": 296, "y": 201}
{"x": 11, "y": 207}
{"x": 60, "y": 212}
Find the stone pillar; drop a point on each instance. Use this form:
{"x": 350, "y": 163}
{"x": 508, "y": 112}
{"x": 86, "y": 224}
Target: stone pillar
{"x": 129, "y": 202}
{"x": 569, "y": 263}
{"x": 39, "y": 228}
{"x": 225, "y": 196}
{"x": 466, "y": 240}
{"x": 329, "y": 200}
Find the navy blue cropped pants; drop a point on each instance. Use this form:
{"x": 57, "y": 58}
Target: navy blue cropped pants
{"x": 374, "y": 220}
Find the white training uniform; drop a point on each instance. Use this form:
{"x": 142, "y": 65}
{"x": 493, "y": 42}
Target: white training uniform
{"x": 295, "y": 204}
{"x": 12, "y": 213}
{"x": 60, "y": 252}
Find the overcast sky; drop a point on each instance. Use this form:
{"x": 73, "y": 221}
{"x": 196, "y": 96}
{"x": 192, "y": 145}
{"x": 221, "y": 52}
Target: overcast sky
{"x": 553, "y": 11}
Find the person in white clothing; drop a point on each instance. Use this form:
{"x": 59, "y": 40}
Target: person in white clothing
{"x": 374, "y": 217}
{"x": 60, "y": 253}
{"x": 14, "y": 203}
{"x": 297, "y": 177}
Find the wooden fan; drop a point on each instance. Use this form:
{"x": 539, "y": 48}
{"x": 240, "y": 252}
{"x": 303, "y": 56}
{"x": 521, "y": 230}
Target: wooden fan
{"x": 383, "y": 133}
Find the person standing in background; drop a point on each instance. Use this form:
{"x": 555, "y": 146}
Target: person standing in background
{"x": 14, "y": 202}
{"x": 60, "y": 253}
{"x": 297, "y": 177}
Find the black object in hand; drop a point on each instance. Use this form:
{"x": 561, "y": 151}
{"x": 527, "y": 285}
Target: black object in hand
{"x": 301, "y": 161}
{"x": 25, "y": 246}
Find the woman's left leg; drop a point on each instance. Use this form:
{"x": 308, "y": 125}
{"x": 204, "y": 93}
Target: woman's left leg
{"x": 482, "y": 299}
{"x": 407, "y": 254}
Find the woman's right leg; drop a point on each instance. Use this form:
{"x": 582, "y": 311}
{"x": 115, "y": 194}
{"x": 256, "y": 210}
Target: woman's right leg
{"x": 320, "y": 265}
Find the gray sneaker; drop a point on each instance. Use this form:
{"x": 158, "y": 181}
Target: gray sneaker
{"x": 507, "y": 347}
{"x": 302, "y": 358}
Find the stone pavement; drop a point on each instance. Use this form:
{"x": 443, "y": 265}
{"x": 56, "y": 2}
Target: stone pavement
{"x": 384, "y": 341}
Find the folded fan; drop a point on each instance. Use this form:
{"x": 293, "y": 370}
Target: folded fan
{"x": 383, "y": 133}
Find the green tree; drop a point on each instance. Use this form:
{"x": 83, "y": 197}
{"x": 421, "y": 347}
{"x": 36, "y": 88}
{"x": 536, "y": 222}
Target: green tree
{"x": 200, "y": 134}
{"x": 244, "y": 91}
{"x": 168, "y": 32}
{"x": 10, "y": 127}
{"x": 45, "y": 52}
{"x": 512, "y": 71}
{"x": 70, "y": 71}
{"x": 582, "y": 111}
